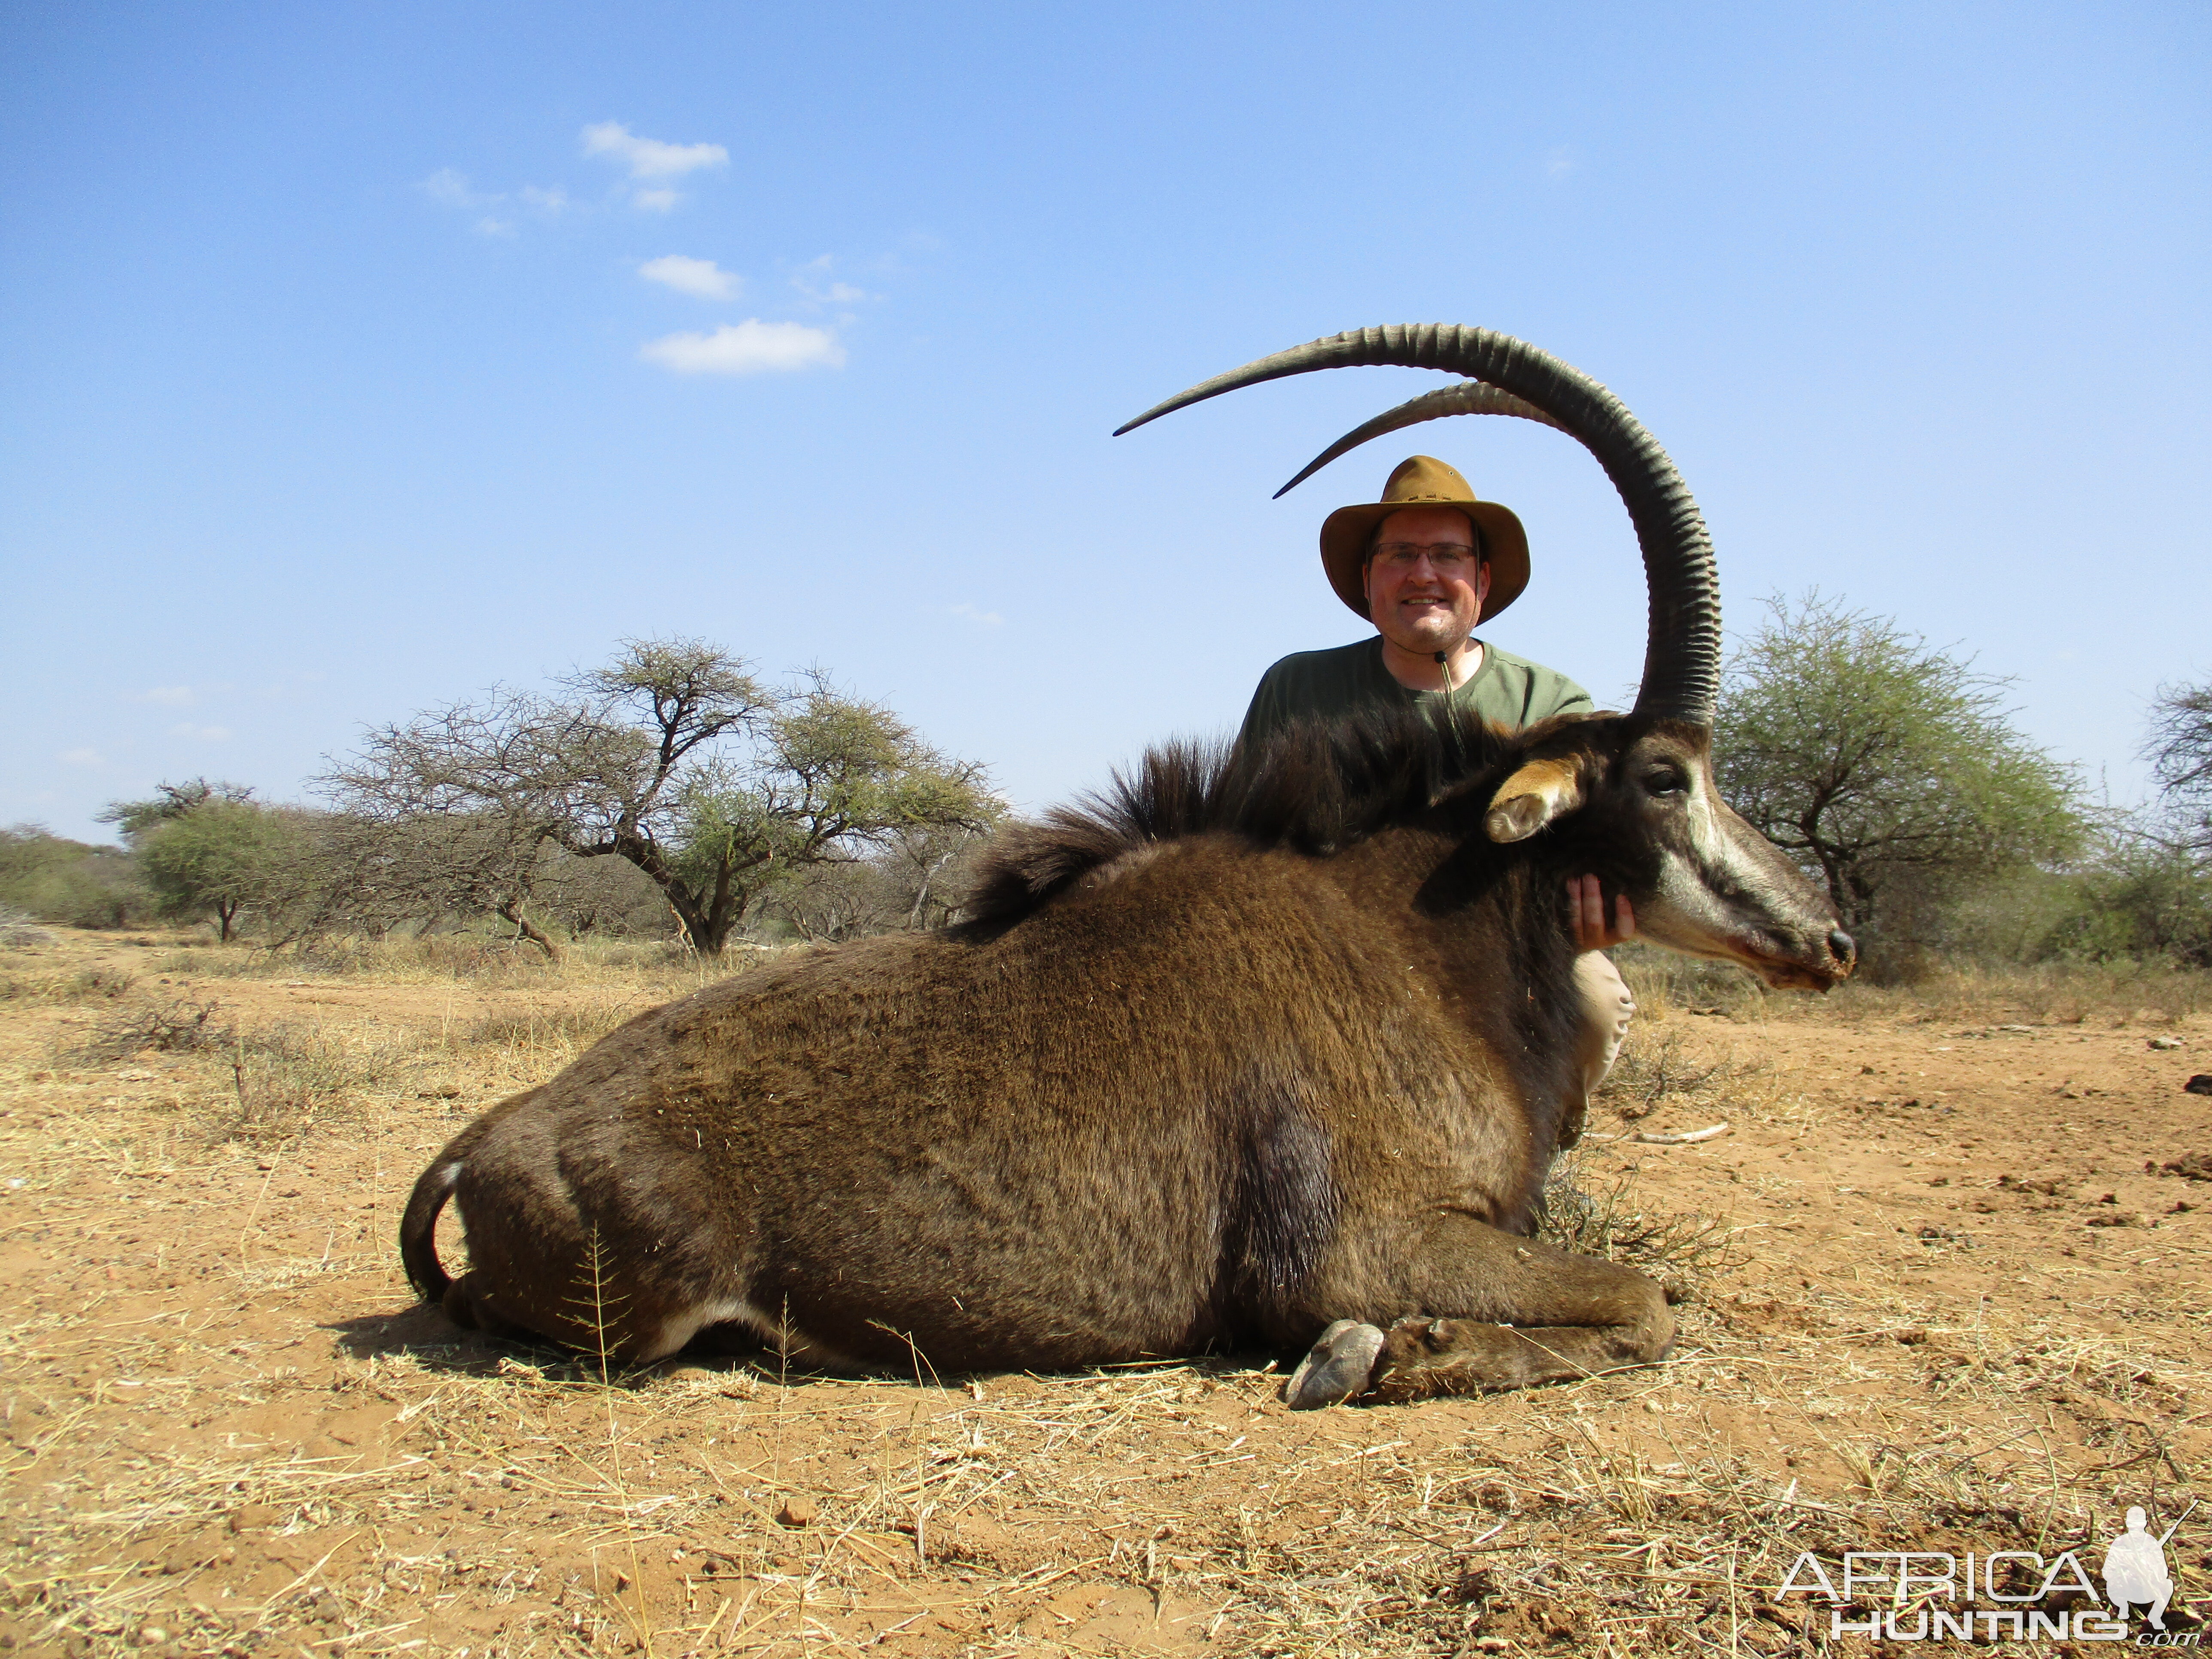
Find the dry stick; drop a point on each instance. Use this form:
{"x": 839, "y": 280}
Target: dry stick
{"x": 1683, "y": 1138}
{"x": 2050, "y": 1462}
{"x": 1986, "y": 1450}
{"x": 918, "y": 1359}
{"x": 1735, "y": 1618}
{"x": 614, "y": 1440}
{"x": 271, "y": 1603}
{"x": 275, "y": 1158}
{"x": 701, "y": 1641}
{"x": 782, "y": 1387}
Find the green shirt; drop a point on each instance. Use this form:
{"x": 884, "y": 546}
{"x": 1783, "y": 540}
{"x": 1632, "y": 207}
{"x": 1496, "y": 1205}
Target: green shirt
{"x": 1506, "y": 690}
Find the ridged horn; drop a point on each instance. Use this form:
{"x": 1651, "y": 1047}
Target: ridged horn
{"x": 1682, "y": 646}
{"x": 1468, "y": 397}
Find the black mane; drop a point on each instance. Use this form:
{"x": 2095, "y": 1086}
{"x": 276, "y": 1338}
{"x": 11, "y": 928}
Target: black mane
{"x": 1319, "y": 786}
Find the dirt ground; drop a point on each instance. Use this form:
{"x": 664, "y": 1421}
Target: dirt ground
{"x": 1957, "y": 1305}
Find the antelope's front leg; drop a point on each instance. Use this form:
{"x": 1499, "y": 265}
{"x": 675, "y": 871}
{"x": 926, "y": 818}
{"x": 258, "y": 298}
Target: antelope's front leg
{"x": 1475, "y": 1310}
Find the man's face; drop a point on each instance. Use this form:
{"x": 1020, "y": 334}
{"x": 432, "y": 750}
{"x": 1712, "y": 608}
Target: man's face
{"x": 1424, "y": 587}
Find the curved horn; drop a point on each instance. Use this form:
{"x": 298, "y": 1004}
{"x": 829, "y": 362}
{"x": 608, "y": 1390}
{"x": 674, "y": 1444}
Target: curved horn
{"x": 1682, "y": 649}
{"x": 1468, "y": 397}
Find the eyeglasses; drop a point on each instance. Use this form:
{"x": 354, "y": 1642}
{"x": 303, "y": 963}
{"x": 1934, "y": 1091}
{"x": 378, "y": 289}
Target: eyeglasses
{"x": 1447, "y": 559}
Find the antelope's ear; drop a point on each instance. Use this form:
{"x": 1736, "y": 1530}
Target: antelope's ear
{"x": 1540, "y": 792}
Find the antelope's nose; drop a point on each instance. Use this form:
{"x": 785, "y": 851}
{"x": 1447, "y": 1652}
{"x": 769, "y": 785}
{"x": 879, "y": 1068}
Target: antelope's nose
{"x": 1845, "y": 947}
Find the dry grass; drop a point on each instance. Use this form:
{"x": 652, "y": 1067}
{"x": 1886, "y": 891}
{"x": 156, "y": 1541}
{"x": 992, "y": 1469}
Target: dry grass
{"x": 101, "y": 984}
{"x": 283, "y": 1076}
{"x": 1612, "y": 1219}
{"x": 1060, "y": 1514}
{"x": 1664, "y": 983}
{"x": 2058, "y": 992}
{"x": 443, "y": 958}
{"x": 174, "y": 1025}
{"x": 1662, "y": 1066}
{"x": 2052, "y": 994}
{"x": 551, "y": 1036}
{"x": 239, "y": 1070}
{"x": 226, "y": 1431}
{"x": 289, "y": 1077}
{"x": 19, "y": 930}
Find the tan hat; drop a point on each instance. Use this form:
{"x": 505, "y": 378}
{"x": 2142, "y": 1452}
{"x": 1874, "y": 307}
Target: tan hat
{"x": 1425, "y": 481}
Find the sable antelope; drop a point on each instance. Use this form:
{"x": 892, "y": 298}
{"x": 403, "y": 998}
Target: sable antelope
{"x": 1257, "y": 1048}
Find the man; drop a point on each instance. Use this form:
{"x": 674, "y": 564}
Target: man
{"x": 1424, "y": 565}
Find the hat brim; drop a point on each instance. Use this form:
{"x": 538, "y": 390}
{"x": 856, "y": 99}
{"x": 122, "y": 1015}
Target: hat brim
{"x": 1344, "y": 536}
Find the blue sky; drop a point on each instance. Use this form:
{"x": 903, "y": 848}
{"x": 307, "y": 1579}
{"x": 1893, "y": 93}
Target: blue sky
{"x": 355, "y": 358}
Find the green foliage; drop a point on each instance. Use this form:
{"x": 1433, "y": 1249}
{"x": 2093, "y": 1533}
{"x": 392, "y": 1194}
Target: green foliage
{"x": 591, "y": 898}
{"x": 2142, "y": 900}
{"x": 219, "y": 856}
{"x": 673, "y": 758}
{"x": 832, "y": 780}
{"x": 1885, "y": 765}
{"x": 72, "y": 882}
{"x": 170, "y": 802}
{"x": 919, "y": 880}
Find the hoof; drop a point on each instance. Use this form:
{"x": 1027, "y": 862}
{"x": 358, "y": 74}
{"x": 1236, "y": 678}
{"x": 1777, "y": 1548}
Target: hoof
{"x": 1336, "y": 1368}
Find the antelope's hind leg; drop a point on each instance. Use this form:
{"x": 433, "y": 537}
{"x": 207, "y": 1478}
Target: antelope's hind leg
{"x": 1502, "y": 1312}
{"x": 1423, "y": 1358}
{"x": 463, "y": 1305}
{"x": 606, "y": 1252}
{"x": 1495, "y": 1312}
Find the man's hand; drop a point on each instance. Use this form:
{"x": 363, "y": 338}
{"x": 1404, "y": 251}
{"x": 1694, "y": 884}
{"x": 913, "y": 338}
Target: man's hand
{"x": 1586, "y": 915}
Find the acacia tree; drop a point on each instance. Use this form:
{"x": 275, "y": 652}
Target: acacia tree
{"x": 917, "y": 880}
{"x": 222, "y": 855}
{"x": 676, "y": 758}
{"x": 2179, "y": 750}
{"x": 377, "y": 872}
{"x": 2147, "y": 893}
{"x": 208, "y": 849}
{"x": 169, "y": 802}
{"x": 1877, "y": 758}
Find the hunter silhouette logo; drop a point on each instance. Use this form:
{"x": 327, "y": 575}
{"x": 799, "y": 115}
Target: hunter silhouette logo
{"x": 2135, "y": 1569}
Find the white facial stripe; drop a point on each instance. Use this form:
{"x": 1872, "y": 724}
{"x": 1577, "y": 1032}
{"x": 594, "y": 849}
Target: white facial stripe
{"x": 1688, "y": 915}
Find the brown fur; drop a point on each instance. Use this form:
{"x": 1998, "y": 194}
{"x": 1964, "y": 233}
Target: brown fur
{"x": 1238, "y": 1050}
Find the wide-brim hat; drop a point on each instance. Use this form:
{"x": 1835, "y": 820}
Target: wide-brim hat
{"x": 1425, "y": 481}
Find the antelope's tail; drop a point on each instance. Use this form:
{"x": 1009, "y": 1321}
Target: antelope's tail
{"x": 418, "y": 1228}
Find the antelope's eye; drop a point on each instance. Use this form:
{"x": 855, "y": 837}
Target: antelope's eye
{"x": 1665, "y": 781}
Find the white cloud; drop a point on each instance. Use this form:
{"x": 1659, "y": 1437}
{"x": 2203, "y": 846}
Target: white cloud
{"x": 656, "y": 201}
{"x": 688, "y": 275}
{"x": 805, "y": 279}
{"x": 176, "y": 696}
{"x": 1559, "y": 163}
{"x": 747, "y": 348}
{"x": 450, "y": 188}
{"x": 649, "y": 158}
{"x": 201, "y": 733}
{"x": 988, "y": 618}
{"x": 82, "y": 758}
